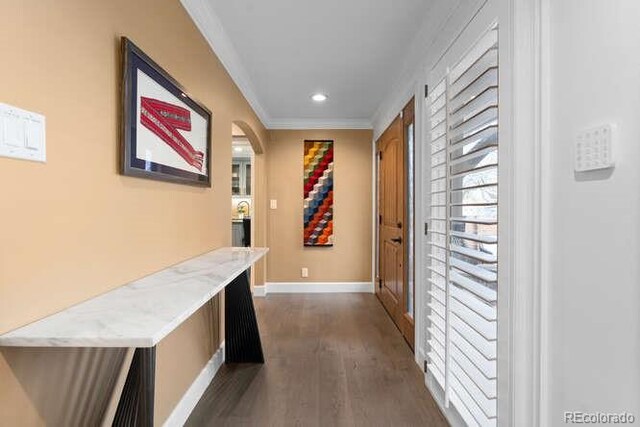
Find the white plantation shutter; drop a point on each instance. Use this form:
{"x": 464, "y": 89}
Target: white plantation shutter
{"x": 437, "y": 342}
{"x": 463, "y": 240}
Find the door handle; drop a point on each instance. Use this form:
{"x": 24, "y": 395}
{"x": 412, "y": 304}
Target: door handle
{"x": 397, "y": 240}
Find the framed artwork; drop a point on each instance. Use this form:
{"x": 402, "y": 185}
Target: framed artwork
{"x": 166, "y": 134}
{"x": 318, "y": 193}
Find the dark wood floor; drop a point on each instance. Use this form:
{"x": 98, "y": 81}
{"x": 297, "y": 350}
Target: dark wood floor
{"x": 331, "y": 360}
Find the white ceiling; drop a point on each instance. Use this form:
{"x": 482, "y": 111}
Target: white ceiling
{"x": 280, "y": 52}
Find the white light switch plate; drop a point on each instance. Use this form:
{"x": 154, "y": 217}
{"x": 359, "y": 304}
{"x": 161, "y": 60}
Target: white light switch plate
{"x": 594, "y": 148}
{"x": 273, "y": 204}
{"x": 22, "y": 134}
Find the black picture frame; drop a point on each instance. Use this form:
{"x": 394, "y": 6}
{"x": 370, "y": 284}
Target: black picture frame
{"x": 134, "y": 60}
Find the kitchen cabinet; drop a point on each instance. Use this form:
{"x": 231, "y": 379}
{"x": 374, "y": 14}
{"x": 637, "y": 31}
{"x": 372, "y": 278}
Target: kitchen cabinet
{"x": 241, "y": 177}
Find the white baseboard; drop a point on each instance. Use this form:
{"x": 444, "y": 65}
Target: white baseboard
{"x": 313, "y": 288}
{"x": 420, "y": 357}
{"x": 259, "y": 291}
{"x": 190, "y": 399}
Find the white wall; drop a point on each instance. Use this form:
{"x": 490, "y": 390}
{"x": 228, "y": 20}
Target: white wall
{"x": 595, "y": 279}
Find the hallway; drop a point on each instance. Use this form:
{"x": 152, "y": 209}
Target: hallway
{"x": 331, "y": 359}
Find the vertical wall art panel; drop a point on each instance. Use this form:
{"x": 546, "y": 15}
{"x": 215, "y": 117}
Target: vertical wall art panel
{"x": 318, "y": 193}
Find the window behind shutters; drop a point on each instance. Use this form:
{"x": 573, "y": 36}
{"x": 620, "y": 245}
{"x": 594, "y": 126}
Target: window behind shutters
{"x": 463, "y": 241}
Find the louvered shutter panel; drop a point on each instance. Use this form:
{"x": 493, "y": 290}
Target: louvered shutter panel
{"x": 463, "y": 248}
{"x": 437, "y": 342}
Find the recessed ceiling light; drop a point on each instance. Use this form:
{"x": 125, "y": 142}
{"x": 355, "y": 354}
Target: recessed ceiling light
{"x": 319, "y": 97}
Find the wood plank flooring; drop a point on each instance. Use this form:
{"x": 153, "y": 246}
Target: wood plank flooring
{"x": 331, "y": 360}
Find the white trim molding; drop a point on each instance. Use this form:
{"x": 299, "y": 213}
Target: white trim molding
{"x": 530, "y": 204}
{"x": 313, "y": 288}
{"x": 183, "y": 409}
{"x": 420, "y": 219}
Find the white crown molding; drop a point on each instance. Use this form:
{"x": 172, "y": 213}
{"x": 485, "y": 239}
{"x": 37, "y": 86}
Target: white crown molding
{"x": 211, "y": 28}
{"x": 296, "y": 124}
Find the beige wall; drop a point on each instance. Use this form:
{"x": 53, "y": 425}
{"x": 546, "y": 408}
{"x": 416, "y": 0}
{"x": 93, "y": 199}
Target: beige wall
{"x": 197, "y": 340}
{"x": 349, "y": 260}
{"x": 74, "y": 228}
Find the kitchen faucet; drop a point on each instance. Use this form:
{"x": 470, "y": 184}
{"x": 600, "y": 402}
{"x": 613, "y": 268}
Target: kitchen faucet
{"x": 241, "y": 210}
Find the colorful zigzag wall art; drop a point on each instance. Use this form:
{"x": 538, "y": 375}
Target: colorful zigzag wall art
{"x": 318, "y": 193}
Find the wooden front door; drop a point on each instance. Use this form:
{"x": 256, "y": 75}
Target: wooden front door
{"x": 391, "y": 207}
{"x": 395, "y": 282}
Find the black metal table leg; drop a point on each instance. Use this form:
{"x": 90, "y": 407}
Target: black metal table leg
{"x": 135, "y": 407}
{"x": 243, "y": 345}
{"x": 242, "y": 337}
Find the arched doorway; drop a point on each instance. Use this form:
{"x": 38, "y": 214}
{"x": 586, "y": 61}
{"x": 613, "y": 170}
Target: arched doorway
{"x": 244, "y": 135}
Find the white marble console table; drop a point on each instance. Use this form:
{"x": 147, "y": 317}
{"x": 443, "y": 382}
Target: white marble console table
{"x": 140, "y": 314}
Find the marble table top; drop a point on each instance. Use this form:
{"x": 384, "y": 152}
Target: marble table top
{"x": 143, "y": 312}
